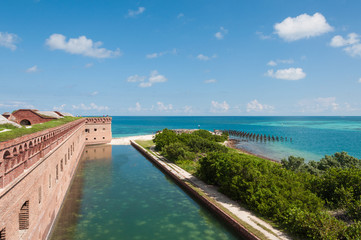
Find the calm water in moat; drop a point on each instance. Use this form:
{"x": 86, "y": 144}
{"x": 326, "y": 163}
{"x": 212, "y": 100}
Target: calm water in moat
{"x": 118, "y": 194}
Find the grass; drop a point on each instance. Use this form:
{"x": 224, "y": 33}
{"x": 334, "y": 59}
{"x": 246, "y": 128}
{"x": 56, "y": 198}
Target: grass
{"x": 7, "y": 126}
{"x": 18, "y": 132}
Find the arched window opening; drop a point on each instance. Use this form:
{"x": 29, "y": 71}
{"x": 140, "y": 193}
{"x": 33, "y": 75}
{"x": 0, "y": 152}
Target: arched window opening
{"x": 7, "y": 155}
{"x": 24, "y": 216}
{"x": 25, "y": 122}
{"x": 21, "y": 149}
{"x": 2, "y": 234}
{"x": 30, "y": 144}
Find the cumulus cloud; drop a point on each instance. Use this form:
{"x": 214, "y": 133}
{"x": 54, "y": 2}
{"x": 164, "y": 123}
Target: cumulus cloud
{"x": 162, "y": 107}
{"x": 280, "y": 61}
{"x": 81, "y": 45}
{"x": 32, "y": 69}
{"x": 339, "y": 41}
{"x": 205, "y": 58}
{"x": 94, "y": 93}
{"x": 221, "y": 33}
{"x": 16, "y": 105}
{"x": 351, "y": 45}
{"x": 153, "y": 78}
{"x": 92, "y": 106}
{"x": 359, "y": 80}
{"x": 210, "y": 81}
{"x": 89, "y": 65}
{"x": 318, "y": 105}
{"x": 134, "y": 13}
{"x": 156, "y": 55}
{"x": 137, "y": 108}
{"x": 287, "y": 74}
{"x": 136, "y": 78}
{"x": 59, "y": 108}
{"x": 302, "y": 26}
{"x": 8, "y": 40}
{"x": 255, "y": 106}
{"x": 219, "y": 106}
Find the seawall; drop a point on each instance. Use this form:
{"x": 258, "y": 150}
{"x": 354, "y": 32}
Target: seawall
{"x": 242, "y": 231}
{"x": 36, "y": 171}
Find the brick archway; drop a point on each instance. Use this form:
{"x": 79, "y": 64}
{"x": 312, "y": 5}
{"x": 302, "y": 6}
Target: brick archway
{"x": 25, "y": 122}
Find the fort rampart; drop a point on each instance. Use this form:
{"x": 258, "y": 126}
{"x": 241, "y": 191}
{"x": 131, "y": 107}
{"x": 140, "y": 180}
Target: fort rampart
{"x": 36, "y": 171}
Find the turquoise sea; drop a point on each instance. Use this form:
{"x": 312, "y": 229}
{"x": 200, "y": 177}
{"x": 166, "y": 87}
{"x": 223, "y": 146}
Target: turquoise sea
{"x": 313, "y": 137}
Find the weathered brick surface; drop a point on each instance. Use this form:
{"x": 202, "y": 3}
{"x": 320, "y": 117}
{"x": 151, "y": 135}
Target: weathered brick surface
{"x": 31, "y": 175}
{"x": 30, "y": 115}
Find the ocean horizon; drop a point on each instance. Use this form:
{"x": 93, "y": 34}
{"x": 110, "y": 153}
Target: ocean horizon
{"x": 313, "y": 137}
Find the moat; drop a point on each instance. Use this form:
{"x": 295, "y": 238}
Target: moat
{"x": 118, "y": 194}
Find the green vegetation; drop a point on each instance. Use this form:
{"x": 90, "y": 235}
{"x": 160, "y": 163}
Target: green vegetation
{"x": 297, "y": 196}
{"x": 18, "y": 132}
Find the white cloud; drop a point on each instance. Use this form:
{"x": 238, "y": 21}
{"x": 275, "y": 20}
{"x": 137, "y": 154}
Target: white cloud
{"x": 210, "y": 81}
{"x": 351, "y": 44}
{"x": 156, "y": 55}
{"x": 94, "y": 93}
{"x": 137, "y": 108}
{"x": 92, "y": 106}
{"x": 339, "y": 41}
{"x": 359, "y": 80}
{"x": 59, "y": 108}
{"x": 32, "y": 69}
{"x": 16, "y": 105}
{"x": 89, "y": 65}
{"x": 135, "y": 78}
{"x": 354, "y": 50}
{"x": 272, "y": 63}
{"x": 8, "y": 40}
{"x": 205, "y": 58}
{"x": 154, "y": 77}
{"x": 319, "y": 105}
{"x": 287, "y": 74}
{"x": 280, "y": 61}
{"x": 162, "y": 107}
{"x": 219, "y": 106}
{"x": 255, "y": 106}
{"x": 133, "y": 13}
{"x": 222, "y": 32}
{"x": 302, "y": 26}
{"x": 81, "y": 45}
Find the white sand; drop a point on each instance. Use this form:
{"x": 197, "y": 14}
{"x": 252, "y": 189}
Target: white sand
{"x": 126, "y": 140}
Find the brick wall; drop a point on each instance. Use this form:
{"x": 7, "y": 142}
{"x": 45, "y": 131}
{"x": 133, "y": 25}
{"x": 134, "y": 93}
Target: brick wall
{"x": 38, "y": 168}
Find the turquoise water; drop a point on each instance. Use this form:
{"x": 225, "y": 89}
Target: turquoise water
{"x": 313, "y": 137}
{"x": 118, "y": 194}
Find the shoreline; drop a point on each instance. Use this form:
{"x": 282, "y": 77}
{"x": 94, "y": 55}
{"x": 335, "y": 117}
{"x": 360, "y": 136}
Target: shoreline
{"x": 231, "y": 143}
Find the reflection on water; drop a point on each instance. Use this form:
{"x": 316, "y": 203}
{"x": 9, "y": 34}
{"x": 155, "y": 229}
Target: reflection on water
{"x": 118, "y": 194}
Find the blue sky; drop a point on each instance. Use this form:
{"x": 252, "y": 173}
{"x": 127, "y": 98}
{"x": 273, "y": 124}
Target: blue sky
{"x": 201, "y": 57}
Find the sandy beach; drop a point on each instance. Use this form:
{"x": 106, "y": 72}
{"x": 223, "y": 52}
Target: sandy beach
{"x": 126, "y": 140}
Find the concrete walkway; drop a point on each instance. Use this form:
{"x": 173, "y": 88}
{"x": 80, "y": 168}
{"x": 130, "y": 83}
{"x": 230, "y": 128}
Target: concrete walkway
{"x": 211, "y": 191}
